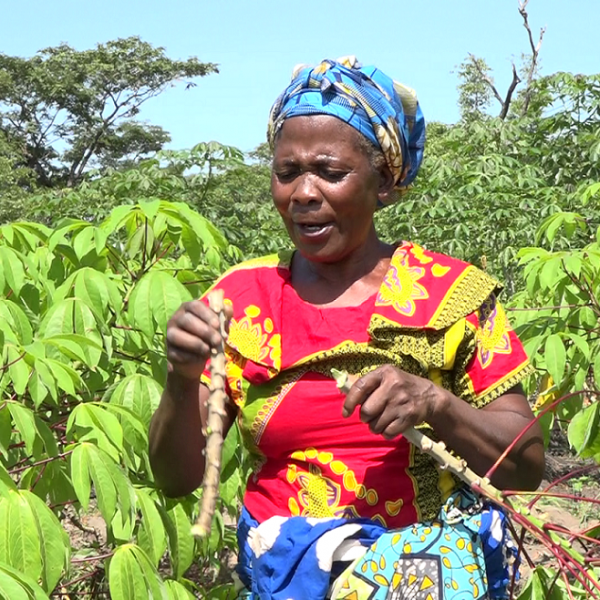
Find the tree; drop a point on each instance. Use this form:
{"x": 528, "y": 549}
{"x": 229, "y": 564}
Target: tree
{"x": 477, "y": 86}
{"x": 70, "y": 111}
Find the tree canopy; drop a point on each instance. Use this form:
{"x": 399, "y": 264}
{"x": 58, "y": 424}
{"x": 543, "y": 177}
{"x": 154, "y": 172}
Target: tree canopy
{"x": 65, "y": 112}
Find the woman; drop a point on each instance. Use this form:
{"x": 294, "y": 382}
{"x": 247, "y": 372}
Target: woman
{"x": 423, "y": 332}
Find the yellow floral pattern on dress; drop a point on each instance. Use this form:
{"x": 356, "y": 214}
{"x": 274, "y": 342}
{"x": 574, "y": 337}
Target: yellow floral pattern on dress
{"x": 419, "y": 253}
{"x": 320, "y": 496}
{"x": 401, "y": 286}
{"x": 255, "y": 340}
{"x": 493, "y": 336}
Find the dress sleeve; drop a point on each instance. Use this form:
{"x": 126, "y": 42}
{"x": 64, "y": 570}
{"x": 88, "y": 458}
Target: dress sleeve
{"x": 491, "y": 358}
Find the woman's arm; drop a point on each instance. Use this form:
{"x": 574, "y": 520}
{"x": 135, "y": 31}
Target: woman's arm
{"x": 391, "y": 400}
{"x": 480, "y": 436}
{"x": 176, "y": 442}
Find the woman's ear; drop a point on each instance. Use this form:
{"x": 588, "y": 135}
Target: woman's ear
{"x": 386, "y": 184}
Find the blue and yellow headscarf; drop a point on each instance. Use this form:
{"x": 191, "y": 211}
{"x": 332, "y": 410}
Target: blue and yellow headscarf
{"x": 386, "y": 112}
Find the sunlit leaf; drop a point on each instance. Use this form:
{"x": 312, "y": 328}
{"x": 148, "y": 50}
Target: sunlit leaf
{"x": 152, "y": 536}
{"x": 154, "y": 300}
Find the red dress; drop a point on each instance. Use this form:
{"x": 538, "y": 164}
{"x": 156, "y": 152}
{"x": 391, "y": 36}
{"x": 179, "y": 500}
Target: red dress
{"x": 433, "y": 316}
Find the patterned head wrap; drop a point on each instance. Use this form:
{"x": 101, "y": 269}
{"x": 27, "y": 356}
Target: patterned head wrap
{"x": 386, "y": 112}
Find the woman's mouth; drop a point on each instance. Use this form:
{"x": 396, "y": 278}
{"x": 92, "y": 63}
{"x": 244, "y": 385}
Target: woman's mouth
{"x": 313, "y": 231}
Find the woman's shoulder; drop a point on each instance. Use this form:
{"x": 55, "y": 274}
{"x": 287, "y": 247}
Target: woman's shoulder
{"x": 423, "y": 288}
{"x": 254, "y": 282}
{"x": 271, "y": 266}
{"x": 424, "y": 256}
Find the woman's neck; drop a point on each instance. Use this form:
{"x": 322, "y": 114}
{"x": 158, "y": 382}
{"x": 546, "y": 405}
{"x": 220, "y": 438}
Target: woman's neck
{"x": 347, "y": 282}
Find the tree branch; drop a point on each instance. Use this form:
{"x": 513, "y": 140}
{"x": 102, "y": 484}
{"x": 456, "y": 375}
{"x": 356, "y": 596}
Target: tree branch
{"x": 486, "y": 78}
{"x": 535, "y": 50}
{"x": 513, "y": 84}
{"x": 504, "y": 103}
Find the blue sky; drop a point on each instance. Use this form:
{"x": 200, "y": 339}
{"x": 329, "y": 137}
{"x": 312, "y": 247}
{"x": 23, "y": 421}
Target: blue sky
{"x": 257, "y": 43}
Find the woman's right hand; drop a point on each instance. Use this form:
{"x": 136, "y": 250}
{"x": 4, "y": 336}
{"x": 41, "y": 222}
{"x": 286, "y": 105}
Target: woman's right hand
{"x": 191, "y": 334}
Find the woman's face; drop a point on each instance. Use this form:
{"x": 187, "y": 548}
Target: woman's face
{"x": 324, "y": 187}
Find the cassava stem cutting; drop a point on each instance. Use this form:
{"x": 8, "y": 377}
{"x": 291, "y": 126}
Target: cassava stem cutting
{"x": 214, "y": 425}
{"x": 437, "y": 450}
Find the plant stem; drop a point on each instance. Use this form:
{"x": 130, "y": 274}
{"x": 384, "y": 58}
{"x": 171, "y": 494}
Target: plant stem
{"x": 40, "y": 462}
{"x": 214, "y": 426}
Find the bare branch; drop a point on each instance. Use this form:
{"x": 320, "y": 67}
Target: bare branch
{"x": 535, "y": 51}
{"x": 513, "y": 84}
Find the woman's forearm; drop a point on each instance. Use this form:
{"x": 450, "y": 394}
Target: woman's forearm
{"x": 176, "y": 442}
{"x": 480, "y": 436}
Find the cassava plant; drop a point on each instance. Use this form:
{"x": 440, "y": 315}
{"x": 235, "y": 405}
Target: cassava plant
{"x": 558, "y": 319}
{"x": 83, "y": 312}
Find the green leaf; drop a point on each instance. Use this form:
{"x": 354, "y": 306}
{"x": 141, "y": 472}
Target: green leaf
{"x": 139, "y": 393}
{"x": 11, "y": 265}
{"x": 94, "y": 423}
{"x": 117, "y": 218}
{"x": 555, "y": 355}
{"x": 24, "y": 424}
{"x": 102, "y": 475}
{"x": 596, "y": 370}
{"x": 97, "y": 290}
{"x": 177, "y": 591}
{"x": 66, "y": 377}
{"x": 5, "y": 429}
{"x": 9, "y": 577}
{"x": 73, "y": 316}
{"x": 135, "y": 433}
{"x": 125, "y": 578}
{"x": 152, "y": 537}
{"x": 80, "y": 473}
{"x": 11, "y": 589}
{"x": 50, "y": 447}
{"x": 584, "y": 431}
{"x": 42, "y": 382}
{"x": 18, "y": 370}
{"x": 15, "y": 323}
{"x": 155, "y": 585}
{"x": 544, "y": 584}
{"x": 54, "y": 553}
{"x": 72, "y": 346}
{"x": 19, "y": 542}
{"x": 156, "y": 296}
{"x": 180, "y": 539}
{"x": 125, "y": 498}
{"x": 7, "y": 483}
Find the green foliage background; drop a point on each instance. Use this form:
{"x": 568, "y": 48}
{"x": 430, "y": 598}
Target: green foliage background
{"x": 104, "y": 234}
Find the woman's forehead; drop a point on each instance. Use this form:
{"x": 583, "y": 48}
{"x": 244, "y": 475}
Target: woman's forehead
{"x": 322, "y": 130}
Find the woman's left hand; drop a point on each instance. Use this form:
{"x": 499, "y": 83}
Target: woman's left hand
{"x": 390, "y": 400}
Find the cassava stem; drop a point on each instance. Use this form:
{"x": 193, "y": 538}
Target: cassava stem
{"x": 437, "y": 450}
{"x": 214, "y": 426}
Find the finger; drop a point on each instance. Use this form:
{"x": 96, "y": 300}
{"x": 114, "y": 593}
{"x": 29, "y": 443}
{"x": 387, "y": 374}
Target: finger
{"x": 178, "y": 339}
{"x": 197, "y": 326}
{"x": 203, "y": 312}
{"x": 374, "y": 406}
{"x": 360, "y": 391}
{"x": 177, "y": 356}
{"x": 380, "y": 422}
{"x": 398, "y": 426}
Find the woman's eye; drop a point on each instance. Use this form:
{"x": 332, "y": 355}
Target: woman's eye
{"x": 285, "y": 176}
{"x": 333, "y": 175}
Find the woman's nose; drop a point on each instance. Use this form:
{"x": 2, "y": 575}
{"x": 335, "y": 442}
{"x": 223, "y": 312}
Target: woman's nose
{"x": 306, "y": 189}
